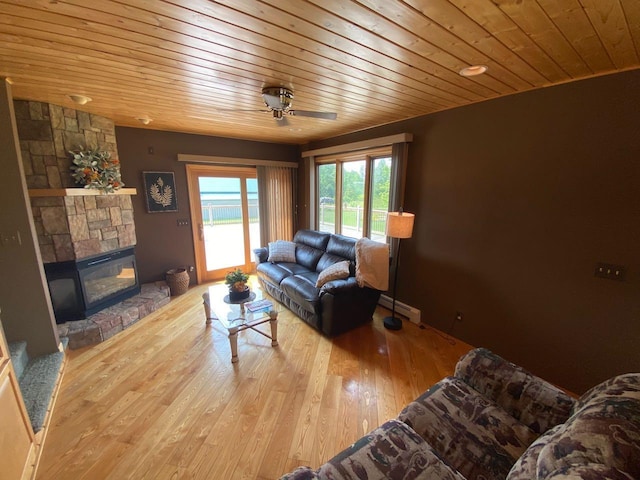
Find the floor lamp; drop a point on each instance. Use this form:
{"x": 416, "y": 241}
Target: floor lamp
{"x": 399, "y": 225}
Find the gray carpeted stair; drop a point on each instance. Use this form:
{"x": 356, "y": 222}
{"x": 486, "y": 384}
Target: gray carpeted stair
{"x": 19, "y": 357}
{"x": 37, "y": 378}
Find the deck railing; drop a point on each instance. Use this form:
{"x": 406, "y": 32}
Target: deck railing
{"x": 352, "y": 217}
{"x": 226, "y": 214}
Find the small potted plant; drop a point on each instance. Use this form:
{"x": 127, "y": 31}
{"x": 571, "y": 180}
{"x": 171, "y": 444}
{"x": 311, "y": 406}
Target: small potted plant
{"x": 237, "y": 282}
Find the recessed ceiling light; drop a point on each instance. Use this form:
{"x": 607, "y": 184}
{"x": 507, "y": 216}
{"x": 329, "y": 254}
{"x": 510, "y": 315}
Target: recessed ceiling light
{"x": 473, "y": 70}
{"x": 79, "y": 99}
{"x": 144, "y": 120}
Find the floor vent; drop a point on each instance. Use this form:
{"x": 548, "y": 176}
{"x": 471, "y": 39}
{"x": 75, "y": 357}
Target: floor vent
{"x": 413, "y": 314}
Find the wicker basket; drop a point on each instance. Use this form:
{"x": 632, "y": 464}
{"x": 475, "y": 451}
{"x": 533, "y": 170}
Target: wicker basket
{"x": 178, "y": 281}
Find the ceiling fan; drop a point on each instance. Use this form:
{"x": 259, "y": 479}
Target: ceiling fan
{"x": 278, "y": 101}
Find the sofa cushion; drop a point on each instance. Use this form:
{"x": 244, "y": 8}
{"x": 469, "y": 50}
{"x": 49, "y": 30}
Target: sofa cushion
{"x": 308, "y": 256}
{"x": 294, "y": 268}
{"x": 329, "y": 259}
{"x": 301, "y": 473}
{"x": 274, "y": 272}
{"x": 312, "y": 238}
{"x": 604, "y": 431}
{"x": 342, "y": 246}
{"x": 302, "y": 290}
{"x": 533, "y": 402}
{"x": 627, "y": 385}
{"x": 526, "y": 466}
{"x": 391, "y": 451}
{"x": 282, "y": 251}
{"x": 589, "y": 471}
{"x": 337, "y": 271}
{"x": 477, "y": 437}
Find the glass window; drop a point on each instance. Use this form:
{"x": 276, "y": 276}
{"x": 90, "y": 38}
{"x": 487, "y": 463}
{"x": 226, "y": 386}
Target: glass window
{"x": 327, "y": 198}
{"x": 380, "y": 198}
{"x": 353, "y": 193}
{"x": 353, "y": 178}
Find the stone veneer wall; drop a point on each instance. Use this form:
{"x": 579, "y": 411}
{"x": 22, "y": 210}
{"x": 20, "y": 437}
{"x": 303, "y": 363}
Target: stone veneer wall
{"x": 77, "y": 226}
{"x": 48, "y": 132}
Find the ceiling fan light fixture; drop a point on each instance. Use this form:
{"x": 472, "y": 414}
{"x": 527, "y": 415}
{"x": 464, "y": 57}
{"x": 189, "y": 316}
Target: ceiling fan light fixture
{"x": 277, "y": 98}
{"x": 79, "y": 99}
{"x": 473, "y": 70}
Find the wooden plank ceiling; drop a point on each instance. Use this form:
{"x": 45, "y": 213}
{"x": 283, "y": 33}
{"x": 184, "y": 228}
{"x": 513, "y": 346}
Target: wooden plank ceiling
{"x": 199, "y": 66}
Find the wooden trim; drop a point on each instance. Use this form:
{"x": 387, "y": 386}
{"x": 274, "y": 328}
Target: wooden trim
{"x": 76, "y": 192}
{"x": 196, "y": 215}
{"x": 193, "y": 172}
{"x": 348, "y": 147}
{"x": 183, "y": 157}
{"x": 355, "y": 156}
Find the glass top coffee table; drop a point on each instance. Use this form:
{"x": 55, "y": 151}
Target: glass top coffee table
{"x": 235, "y": 317}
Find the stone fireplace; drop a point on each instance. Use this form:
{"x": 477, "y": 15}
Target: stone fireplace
{"x": 80, "y": 230}
{"x": 81, "y": 233}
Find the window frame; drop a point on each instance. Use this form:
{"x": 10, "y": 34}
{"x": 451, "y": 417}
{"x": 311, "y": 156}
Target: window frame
{"x": 369, "y": 156}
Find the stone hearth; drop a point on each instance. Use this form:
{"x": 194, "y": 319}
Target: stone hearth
{"x": 112, "y": 320}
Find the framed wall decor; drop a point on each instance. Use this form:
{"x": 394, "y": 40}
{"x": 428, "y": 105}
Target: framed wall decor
{"x": 160, "y": 191}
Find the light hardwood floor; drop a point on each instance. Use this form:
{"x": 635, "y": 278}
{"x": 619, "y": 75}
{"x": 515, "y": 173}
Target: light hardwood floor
{"x": 162, "y": 399}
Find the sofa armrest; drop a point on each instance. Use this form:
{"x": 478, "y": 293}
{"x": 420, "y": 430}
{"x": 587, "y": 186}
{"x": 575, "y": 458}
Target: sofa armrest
{"x": 261, "y": 255}
{"x": 529, "y": 399}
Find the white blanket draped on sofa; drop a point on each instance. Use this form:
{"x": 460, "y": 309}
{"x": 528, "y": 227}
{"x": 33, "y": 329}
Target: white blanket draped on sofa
{"x": 372, "y": 264}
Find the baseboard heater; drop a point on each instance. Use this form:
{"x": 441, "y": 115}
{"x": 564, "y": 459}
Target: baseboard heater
{"x": 412, "y": 313}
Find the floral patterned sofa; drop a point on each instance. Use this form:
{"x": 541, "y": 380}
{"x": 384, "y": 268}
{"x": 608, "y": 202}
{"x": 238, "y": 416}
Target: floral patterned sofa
{"x": 494, "y": 420}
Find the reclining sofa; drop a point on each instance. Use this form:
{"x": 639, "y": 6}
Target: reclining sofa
{"x": 335, "y": 307}
{"x": 493, "y": 420}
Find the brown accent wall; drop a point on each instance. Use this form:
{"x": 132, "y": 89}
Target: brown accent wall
{"x": 162, "y": 244}
{"x": 516, "y": 200}
{"x": 24, "y": 297}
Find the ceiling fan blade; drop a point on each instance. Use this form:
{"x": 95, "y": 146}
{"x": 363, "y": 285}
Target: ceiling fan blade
{"x": 306, "y": 113}
{"x": 242, "y": 110}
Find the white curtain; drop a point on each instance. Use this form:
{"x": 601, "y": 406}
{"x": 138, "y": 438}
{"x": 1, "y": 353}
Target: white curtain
{"x": 276, "y": 196}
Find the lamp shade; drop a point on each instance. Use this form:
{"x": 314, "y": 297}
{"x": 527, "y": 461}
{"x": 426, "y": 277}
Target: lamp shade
{"x": 400, "y": 224}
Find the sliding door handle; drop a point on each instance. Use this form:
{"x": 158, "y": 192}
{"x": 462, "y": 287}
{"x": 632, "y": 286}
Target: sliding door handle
{"x": 201, "y": 232}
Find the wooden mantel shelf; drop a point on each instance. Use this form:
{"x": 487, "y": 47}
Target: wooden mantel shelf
{"x": 76, "y": 192}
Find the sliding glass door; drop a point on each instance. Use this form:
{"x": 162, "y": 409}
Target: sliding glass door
{"x": 224, "y": 215}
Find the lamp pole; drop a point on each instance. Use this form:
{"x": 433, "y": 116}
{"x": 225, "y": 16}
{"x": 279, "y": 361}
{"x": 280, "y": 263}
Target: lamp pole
{"x": 393, "y": 323}
{"x": 399, "y": 225}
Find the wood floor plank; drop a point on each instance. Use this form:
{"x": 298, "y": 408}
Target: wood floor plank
{"x": 162, "y": 399}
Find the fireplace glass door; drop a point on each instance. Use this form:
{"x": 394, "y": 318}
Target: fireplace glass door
{"x": 81, "y": 288}
{"x": 102, "y": 280}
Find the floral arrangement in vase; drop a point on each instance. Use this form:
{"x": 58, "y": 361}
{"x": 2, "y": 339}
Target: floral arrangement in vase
{"x": 96, "y": 169}
{"x": 237, "y": 281}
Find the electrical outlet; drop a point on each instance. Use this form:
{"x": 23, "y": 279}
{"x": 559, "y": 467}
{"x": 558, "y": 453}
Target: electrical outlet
{"x": 459, "y": 316}
{"x": 191, "y": 269}
{"x": 610, "y": 271}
